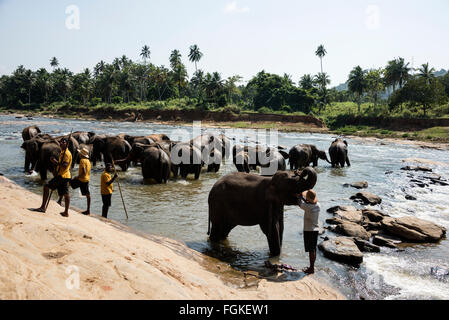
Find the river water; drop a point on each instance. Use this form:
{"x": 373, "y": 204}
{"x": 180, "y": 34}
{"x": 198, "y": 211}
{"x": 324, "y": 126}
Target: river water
{"x": 179, "y": 208}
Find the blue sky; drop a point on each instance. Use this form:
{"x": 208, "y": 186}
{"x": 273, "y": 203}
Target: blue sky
{"x": 237, "y": 37}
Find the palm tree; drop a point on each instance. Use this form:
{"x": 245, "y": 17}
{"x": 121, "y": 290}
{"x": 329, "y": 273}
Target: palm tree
{"x": 321, "y": 52}
{"x": 426, "y": 73}
{"x": 322, "y": 80}
{"x": 375, "y": 84}
{"x": 357, "y": 84}
{"x": 145, "y": 53}
{"x": 306, "y": 82}
{"x": 195, "y": 55}
{"x": 403, "y": 71}
{"x": 54, "y": 62}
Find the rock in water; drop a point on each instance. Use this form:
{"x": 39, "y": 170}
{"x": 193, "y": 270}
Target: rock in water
{"x": 366, "y": 246}
{"x": 342, "y": 249}
{"x": 366, "y": 198}
{"x": 384, "y": 242}
{"x": 373, "y": 215}
{"x": 352, "y": 230}
{"x": 348, "y": 213}
{"x": 357, "y": 185}
{"x": 416, "y": 168}
{"x": 413, "y": 229}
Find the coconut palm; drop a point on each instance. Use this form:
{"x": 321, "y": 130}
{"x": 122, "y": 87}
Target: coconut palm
{"x": 426, "y": 73}
{"x": 145, "y": 53}
{"x": 403, "y": 71}
{"x": 357, "y": 84}
{"x": 195, "y": 55}
{"x": 321, "y": 52}
{"x": 54, "y": 62}
{"x": 306, "y": 82}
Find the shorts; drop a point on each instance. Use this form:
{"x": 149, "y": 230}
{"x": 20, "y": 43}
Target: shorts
{"x": 310, "y": 240}
{"x": 59, "y": 183}
{"x": 106, "y": 198}
{"x": 84, "y": 186}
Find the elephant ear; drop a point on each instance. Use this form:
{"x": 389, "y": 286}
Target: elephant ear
{"x": 284, "y": 154}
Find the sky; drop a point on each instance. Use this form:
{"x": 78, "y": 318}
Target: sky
{"x": 239, "y": 37}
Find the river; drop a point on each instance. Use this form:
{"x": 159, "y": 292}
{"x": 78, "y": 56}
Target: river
{"x": 179, "y": 208}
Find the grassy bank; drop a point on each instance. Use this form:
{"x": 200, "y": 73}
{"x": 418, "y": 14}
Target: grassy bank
{"x": 339, "y": 118}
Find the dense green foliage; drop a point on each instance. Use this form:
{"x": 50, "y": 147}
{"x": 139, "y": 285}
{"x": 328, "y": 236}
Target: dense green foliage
{"x": 396, "y": 90}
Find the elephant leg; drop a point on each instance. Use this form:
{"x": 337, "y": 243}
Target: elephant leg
{"x": 347, "y": 162}
{"x": 226, "y": 229}
{"x": 274, "y": 242}
{"x": 43, "y": 173}
{"x": 281, "y": 226}
{"x": 291, "y": 166}
{"x": 219, "y": 232}
{"x": 27, "y": 165}
{"x": 183, "y": 171}
{"x": 197, "y": 172}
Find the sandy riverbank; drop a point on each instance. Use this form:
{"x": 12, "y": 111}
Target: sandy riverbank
{"x": 41, "y": 256}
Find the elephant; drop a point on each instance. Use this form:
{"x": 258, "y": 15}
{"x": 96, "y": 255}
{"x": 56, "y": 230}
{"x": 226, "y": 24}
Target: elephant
{"x": 187, "y": 158}
{"x": 338, "y": 152}
{"x": 211, "y": 147}
{"x": 32, "y": 149}
{"x": 137, "y": 139}
{"x": 155, "y": 161}
{"x": 30, "y": 132}
{"x": 248, "y": 199}
{"x": 302, "y": 155}
{"x": 158, "y": 137}
{"x": 226, "y": 145}
{"x": 83, "y": 137}
{"x": 270, "y": 160}
{"x": 112, "y": 148}
{"x": 276, "y": 162}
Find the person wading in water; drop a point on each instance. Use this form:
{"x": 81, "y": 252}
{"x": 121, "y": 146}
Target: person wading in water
{"x": 61, "y": 179}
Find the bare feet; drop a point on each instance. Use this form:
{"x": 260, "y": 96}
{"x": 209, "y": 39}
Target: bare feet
{"x": 86, "y": 213}
{"x": 64, "y": 214}
{"x": 308, "y": 270}
{"x": 38, "y": 210}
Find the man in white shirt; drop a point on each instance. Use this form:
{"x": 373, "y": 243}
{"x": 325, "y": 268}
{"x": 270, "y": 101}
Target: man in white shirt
{"x": 308, "y": 201}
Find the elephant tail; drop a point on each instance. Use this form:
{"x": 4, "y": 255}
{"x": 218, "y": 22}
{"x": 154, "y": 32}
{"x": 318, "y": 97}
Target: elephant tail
{"x": 208, "y": 223}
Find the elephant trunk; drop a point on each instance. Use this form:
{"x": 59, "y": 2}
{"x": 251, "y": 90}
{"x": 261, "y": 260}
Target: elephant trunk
{"x": 307, "y": 179}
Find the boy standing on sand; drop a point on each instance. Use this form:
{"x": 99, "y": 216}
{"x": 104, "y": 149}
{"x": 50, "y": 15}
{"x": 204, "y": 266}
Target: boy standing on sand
{"x": 107, "y": 188}
{"x": 82, "y": 180}
{"x": 309, "y": 203}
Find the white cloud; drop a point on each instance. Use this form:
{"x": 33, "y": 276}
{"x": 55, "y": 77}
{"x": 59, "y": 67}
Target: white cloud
{"x": 233, "y": 7}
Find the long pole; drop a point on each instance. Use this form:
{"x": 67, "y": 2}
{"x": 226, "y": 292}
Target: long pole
{"x": 57, "y": 168}
{"x": 120, "y": 189}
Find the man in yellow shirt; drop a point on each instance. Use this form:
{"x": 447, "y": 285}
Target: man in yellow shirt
{"x": 107, "y": 188}
{"x": 61, "y": 179}
{"x": 82, "y": 180}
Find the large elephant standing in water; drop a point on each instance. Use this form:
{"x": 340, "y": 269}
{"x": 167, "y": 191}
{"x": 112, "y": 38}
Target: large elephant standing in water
{"x": 338, "y": 152}
{"x": 302, "y": 155}
{"x": 211, "y": 147}
{"x": 155, "y": 161}
{"x": 112, "y": 148}
{"x": 248, "y": 200}
{"x": 30, "y": 132}
{"x": 187, "y": 158}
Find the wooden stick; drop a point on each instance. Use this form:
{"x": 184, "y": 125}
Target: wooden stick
{"x": 120, "y": 189}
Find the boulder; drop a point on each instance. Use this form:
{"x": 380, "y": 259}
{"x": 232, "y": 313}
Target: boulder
{"x": 413, "y": 229}
{"x": 416, "y": 168}
{"x": 352, "y": 230}
{"x": 341, "y": 249}
{"x": 373, "y": 215}
{"x": 366, "y": 246}
{"x": 348, "y": 213}
{"x": 366, "y": 198}
{"x": 357, "y": 185}
{"x": 384, "y": 242}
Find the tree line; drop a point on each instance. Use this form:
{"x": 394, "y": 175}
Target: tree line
{"x": 127, "y": 81}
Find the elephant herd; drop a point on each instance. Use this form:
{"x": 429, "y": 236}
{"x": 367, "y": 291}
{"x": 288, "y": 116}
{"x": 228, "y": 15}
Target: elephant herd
{"x": 159, "y": 157}
{"x": 235, "y": 199}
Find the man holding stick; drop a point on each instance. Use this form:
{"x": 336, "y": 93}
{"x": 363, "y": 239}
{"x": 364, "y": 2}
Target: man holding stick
{"x": 61, "y": 179}
{"x": 107, "y": 188}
